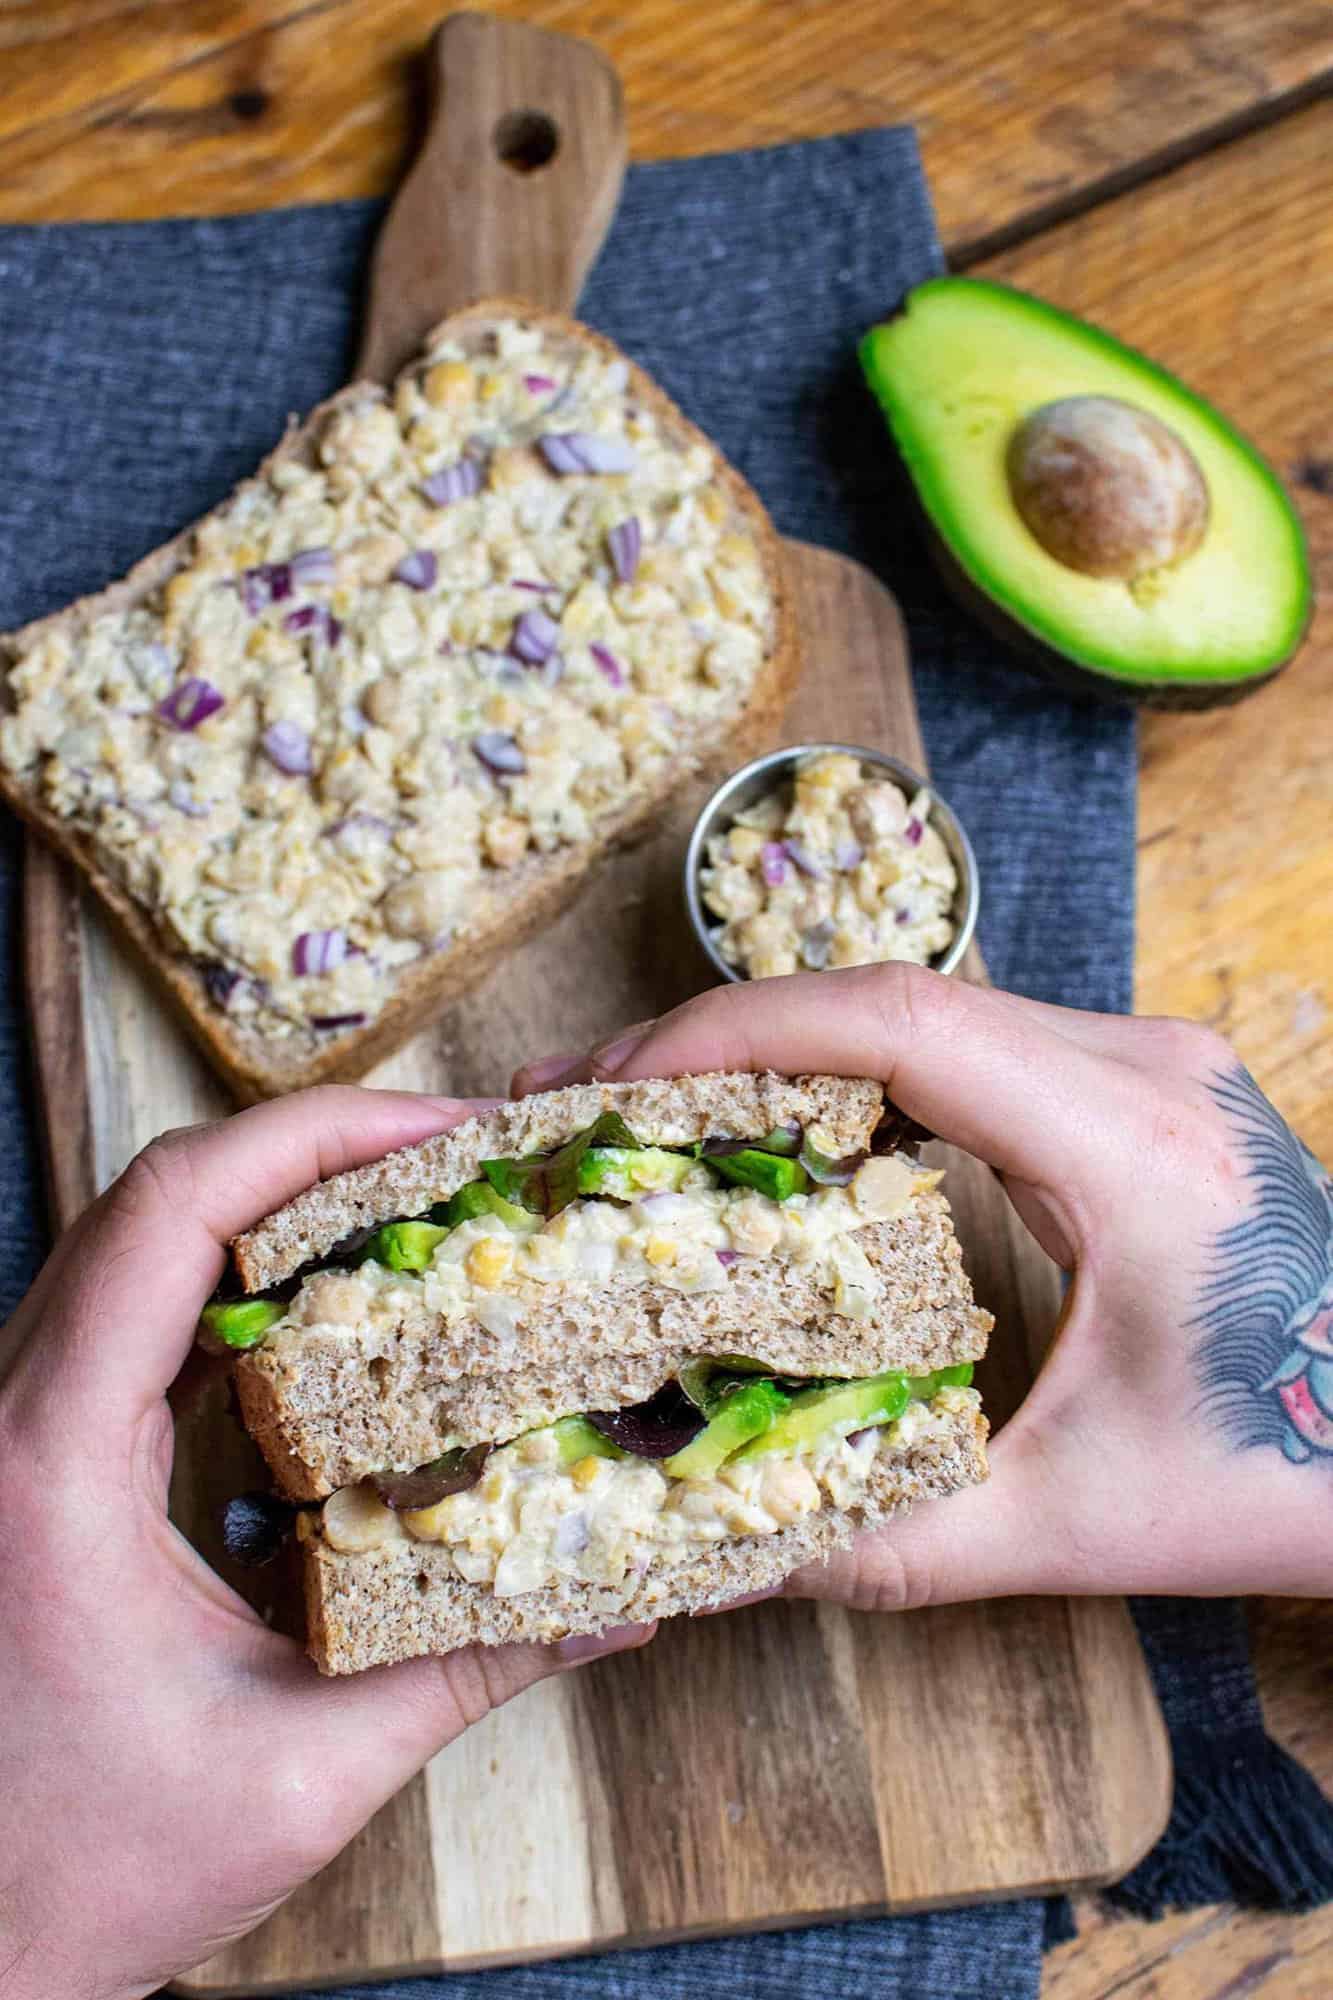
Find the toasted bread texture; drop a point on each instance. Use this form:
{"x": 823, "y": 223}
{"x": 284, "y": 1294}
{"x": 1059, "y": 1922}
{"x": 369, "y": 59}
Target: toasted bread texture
{"x": 524, "y": 898}
{"x": 402, "y": 1600}
{"x": 676, "y": 1111}
{"x": 327, "y": 1411}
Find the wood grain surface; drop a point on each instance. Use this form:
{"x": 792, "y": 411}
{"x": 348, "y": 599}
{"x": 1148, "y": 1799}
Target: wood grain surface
{"x": 124, "y": 108}
{"x": 809, "y": 1763}
{"x": 152, "y": 107}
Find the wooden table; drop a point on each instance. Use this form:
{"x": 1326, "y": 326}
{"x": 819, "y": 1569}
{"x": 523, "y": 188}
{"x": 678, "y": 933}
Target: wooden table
{"x": 1166, "y": 171}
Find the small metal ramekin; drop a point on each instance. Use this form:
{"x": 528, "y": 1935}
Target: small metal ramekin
{"x": 768, "y": 774}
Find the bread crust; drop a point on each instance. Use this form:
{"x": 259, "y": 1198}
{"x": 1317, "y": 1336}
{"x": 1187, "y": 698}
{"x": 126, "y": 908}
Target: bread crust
{"x": 671, "y": 1112}
{"x": 532, "y": 895}
{"x": 368, "y": 1610}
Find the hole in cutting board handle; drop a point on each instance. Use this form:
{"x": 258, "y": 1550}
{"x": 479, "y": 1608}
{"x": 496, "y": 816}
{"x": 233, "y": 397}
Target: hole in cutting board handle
{"x": 526, "y": 140}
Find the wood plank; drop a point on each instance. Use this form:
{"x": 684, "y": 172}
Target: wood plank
{"x": 120, "y": 108}
{"x": 1224, "y": 271}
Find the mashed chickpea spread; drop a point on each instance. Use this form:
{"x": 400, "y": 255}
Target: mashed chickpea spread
{"x": 847, "y": 871}
{"x": 378, "y": 680}
{"x": 689, "y": 1239}
{"x": 532, "y": 1520}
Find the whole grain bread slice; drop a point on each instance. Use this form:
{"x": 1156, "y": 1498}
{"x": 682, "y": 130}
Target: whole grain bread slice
{"x": 403, "y": 1600}
{"x": 729, "y": 1104}
{"x": 327, "y": 1410}
{"x": 530, "y": 895}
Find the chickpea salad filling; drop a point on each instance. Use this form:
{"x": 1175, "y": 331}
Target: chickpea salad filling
{"x": 720, "y": 1453}
{"x": 845, "y": 871}
{"x": 599, "y": 1209}
{"x": 450, "y": 636}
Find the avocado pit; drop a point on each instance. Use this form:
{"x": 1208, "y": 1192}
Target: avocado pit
{"x": 1106, "y": 488}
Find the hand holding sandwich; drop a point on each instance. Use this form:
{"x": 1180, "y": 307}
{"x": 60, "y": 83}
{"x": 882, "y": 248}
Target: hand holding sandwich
{"x": 170, "y": 1768}
{"x": 1178, "y": 1438}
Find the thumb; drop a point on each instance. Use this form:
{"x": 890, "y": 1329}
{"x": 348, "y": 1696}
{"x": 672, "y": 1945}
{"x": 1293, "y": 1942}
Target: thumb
{"x": 1001, "y": 1539}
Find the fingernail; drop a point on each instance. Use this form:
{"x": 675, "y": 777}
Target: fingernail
{"x": 591, "y": 1645}
{"x": 612, "y": 1056}
{"x": 551, "y": 1068}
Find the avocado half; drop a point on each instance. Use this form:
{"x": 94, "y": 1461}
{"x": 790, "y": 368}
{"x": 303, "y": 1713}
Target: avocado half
{"x": 1088, "y": 506}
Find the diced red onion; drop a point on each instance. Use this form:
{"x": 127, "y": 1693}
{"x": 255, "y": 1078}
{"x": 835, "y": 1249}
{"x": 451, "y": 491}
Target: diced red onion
{"x": 816, "y": 944}
{"x": 571, "y": 1535}
{"x": 808, "y": 863}
{"x": 773, "y": 863}
{"x": 498, "y": 751}
{"x": 220, "y": 982}
{"x": 848, "y": 854}
{"x": 461, "y": 481}
{"x": 534, "y": 638}
{"x": 288, "y": 745}
{"x": 608, "y": 664}
{"x": 337, "y": 1021}
{"x": 184, "y": 800}
{"x": 318, "y": 951}
{"x": 190, "y": 702}
{"x": 538, "y": 385}
{"x": 333, "y": 630}
{"x": 625, "y": 542}
{"x": 314, "y": 566}
{"x": 302, "y": 619}
{"x": 662, "y": 1201}
{"x": 268, "y": 583}
{"x": 913, "y": 831}
{"x": 728, "y": 1257}
{"x": 586, "y": 451}
{"x": 903, "y": 917}
{"x": 417, "y": 570}
{"x": 530, "y": 583}
{"x": 367, "y": 822}
{"x": 862, "y": 1441}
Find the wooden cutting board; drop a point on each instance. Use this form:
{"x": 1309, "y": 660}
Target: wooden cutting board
{"x": 771, "y": 1767}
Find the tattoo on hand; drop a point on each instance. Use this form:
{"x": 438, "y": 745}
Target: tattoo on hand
{"x": 1266, "y": 1325}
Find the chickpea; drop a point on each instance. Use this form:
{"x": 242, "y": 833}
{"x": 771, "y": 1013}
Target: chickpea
{"x": 505, "y": 840}
{"x": 788, "y": 1490}
{"x": 420, "y": 907}
{"x": 334, "y": 1299}
{"x": 385, "y": 702}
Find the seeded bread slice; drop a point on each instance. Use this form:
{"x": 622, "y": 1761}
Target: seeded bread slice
{"x": 728, "y": 1104}
{"x": 402, "y": 1600}
{"x": 523, "y": 899}
{"x": 327, "y": 1410}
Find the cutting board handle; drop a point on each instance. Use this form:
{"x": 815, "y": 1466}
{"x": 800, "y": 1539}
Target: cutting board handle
{"x": 514, "y": 187}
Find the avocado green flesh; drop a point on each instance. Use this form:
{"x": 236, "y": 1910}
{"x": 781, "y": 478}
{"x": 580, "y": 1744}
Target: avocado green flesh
{"x": 242, "y": 1322}
{"x": 748, "y": 1412}
{"x": 842, "y": 1407}
{"x": 577, "y": 1439}
{"x": 625, "y": 1171}
{"x": 769, "y": 1173}
{"x": 404, "y": 1246}
{"x": 956, "y": 373}
{"x": 479, "y": 1198}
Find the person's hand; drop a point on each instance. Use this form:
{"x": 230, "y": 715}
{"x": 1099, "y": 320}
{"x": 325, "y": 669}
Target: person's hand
{"x": 1180, "y": 1436}
{"x": 171, "y": 1769}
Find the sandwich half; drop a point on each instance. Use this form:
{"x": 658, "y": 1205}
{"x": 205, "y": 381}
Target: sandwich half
{"x": 604, "y": 1355}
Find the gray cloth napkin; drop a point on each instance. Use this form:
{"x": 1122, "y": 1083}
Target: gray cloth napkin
{"x": 149, "y": 366}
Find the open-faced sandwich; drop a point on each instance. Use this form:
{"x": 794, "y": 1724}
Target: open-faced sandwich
{"x": 604, "y": 1355}
{"x": 346, "y": 741}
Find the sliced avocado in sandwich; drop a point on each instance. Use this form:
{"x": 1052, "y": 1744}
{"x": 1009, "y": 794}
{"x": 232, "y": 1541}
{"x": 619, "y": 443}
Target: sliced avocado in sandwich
{"x": 241, "y": 1322}
{"x": 625, "y": 1171}
{"x": 836, "y": 1409}
{"x": 772, "y": 1174}
{"x": 478, "y": 1198}
{"x": 749, "y": 1411}
{"x": 404, "y": 1246}
{"x": 1088, "y": 506}
{"x": 577, "y": 1439}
